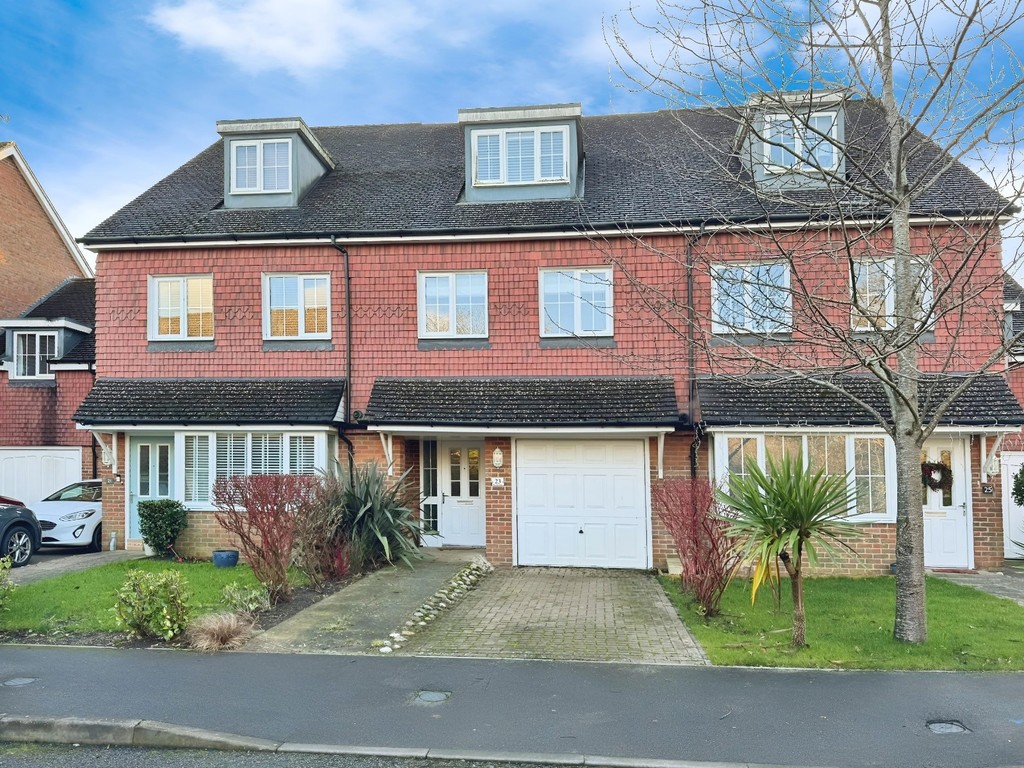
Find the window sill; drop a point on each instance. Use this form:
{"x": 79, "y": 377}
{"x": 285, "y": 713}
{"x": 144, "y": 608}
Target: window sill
{"x": 749, "y": 339}
{"x": 33, "y": 382}
{"x": 181, "y": 345}
{"x": 297, "y": 345}
{"x": 579, "y": 342}
{"x": 441, "y": 345}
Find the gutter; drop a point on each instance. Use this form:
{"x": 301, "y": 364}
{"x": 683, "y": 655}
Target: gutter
{"x": 692, "y": 354}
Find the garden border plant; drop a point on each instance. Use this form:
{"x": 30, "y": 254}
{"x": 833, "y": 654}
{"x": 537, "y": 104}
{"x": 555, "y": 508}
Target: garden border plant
{"x": 161, "y": 521}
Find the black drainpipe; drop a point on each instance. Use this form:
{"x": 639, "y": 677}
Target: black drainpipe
{"x": 691, "y": 351}
{"x": 348, "y": 356}
{"x": 92, "y": 443}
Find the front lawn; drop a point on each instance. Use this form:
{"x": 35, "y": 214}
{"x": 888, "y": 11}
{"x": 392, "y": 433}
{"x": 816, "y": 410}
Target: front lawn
{"x": 849, "y": 626}
{"x": 80, "y": 603}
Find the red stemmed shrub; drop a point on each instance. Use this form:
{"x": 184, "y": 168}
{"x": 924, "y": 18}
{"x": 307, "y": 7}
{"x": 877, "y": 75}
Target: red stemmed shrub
{"x": 261, "y": 511}
{"x": 687, "y": 508}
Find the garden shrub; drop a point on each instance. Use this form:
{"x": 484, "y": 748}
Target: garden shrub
{"x": 6, "y": 585}
{"x": 261, "y": 511}
{"x": 322, "y": 550}
{"x": 247, "y": 601}
{"x": 219, "y": 632}
{"x": 708, "y": 556}
{"x": 153, "y": 604}
{"x": 161, "y": 521}
{"x": 377, "y": 516}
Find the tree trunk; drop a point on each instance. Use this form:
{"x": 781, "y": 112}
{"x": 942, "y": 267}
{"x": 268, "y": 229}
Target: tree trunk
{"x": 796, "y": 585}
{"x": 911, "y": 624}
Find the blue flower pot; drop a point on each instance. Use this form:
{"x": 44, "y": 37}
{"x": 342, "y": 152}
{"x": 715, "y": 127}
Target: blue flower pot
{"x": 225, "y": 558}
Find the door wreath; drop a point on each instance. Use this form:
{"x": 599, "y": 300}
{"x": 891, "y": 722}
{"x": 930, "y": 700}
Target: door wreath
{"x": 936, "y": 475}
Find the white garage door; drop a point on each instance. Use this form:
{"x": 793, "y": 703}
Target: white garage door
{"x": 30, "y": 474}
{"x": 582, "y": 503}
{"x": 1013, "y": 516}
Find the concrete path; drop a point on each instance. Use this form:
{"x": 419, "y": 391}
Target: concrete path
{"x": 562, "y": 614}
{"x": 1007, "y": 582}
{"x": 48, "y": 567}
{"x": 369, "y": 609}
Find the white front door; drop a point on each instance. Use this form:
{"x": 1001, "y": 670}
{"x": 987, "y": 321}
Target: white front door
{"x": 1013, "y": 516}
{"x": 946, "y": 526}
{"x": 152, "y": 474}
{"x": 582, "y": 503}
{"x": 461, "y": 508}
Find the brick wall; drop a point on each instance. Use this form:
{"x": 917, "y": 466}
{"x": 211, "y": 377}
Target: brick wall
{"x": 33, "y": 257}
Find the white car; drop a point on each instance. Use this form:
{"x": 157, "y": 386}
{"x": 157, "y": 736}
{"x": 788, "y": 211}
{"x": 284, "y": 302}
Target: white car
{"x": 73, "y": 516}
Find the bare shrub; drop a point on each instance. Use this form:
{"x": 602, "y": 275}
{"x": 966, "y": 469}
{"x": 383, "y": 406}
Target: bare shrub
{"x": 688, "y": 509}
{"x": 322, "y": 550}
{"x": 219, "y": 632}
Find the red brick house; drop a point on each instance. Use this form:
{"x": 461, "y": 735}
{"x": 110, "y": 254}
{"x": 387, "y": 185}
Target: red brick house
{"x": 46, "y": 322}
{"x": 492, "y": 303}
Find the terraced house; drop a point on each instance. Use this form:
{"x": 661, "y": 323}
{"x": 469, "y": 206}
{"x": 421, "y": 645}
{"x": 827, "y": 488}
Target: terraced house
{"x": 540, "y": 313}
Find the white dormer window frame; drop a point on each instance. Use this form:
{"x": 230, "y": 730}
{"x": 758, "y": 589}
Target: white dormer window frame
{"x": 33, "y": 351}
{"x": 797, "y": 151}
{"x": 494, "y": 156}
{"x": 259, "y": 163}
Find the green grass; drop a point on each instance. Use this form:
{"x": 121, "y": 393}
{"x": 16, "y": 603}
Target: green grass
{"x": 849, "y": 626}
{"x": 80, "y": 603}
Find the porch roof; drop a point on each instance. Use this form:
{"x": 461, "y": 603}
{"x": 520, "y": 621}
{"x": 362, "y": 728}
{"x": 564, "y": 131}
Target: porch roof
{"x": 532, "y": 401}
{"x": 788, "y": 401}
{"x": 212, "y": 401}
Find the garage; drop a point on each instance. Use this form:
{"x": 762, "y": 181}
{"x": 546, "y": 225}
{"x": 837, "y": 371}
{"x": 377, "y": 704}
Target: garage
{"x": 29, "y": 474}
{"x": 582, "y": 503}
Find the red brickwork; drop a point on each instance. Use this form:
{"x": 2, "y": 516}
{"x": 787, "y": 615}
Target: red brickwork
{"x": 33, "y": 257}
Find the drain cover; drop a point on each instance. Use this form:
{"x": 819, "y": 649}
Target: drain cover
{"x": 947, "y": 726}
{"x": 433, "y": 697}
{"x": 16, "y": 681}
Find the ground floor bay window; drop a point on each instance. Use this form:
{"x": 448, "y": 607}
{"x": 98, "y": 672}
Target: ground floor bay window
{"x": 867, "y": 459}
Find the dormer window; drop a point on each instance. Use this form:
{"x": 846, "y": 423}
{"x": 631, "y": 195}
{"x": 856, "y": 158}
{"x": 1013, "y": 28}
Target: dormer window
{"x": 261, "y": 166}
{"x": 798, "y": 143}
{"x": 520, "y": 155}
{"x": 32, "y": 355}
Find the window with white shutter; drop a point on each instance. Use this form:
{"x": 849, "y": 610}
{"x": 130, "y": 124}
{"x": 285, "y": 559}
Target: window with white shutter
{"x": 267, "y": 454}
{"x": 301, "y": 455}
{"x": 197, "y": 468}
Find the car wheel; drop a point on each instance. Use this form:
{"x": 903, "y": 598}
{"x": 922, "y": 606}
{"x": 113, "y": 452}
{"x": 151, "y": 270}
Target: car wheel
{"x": 17, "y": 545}
{"x": 96, "y": 545}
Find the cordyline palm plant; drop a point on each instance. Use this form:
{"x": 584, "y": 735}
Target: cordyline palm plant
{"x": 785, "y": 514}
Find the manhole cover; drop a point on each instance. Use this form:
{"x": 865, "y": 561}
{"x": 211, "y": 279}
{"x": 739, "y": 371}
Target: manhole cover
{"x": 947, "y": 726}
{"x": 16, "y": 681}
{"x": 433, "y": 697}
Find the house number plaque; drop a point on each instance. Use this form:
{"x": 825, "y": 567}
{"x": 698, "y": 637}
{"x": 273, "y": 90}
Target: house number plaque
{"x": 497, "y": 482}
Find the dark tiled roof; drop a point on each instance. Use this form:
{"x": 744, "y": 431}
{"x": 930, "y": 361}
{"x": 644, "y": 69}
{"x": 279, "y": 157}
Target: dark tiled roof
{"x": 646, "y": 168}
{"x": 1013, "y": 293}
{"x": 525, "y": 401}
{"x": 83, "y": 352}
{"x": 212, "y": 401}
{"x": 784, "y": 402}
{"x": 74, "y": 299}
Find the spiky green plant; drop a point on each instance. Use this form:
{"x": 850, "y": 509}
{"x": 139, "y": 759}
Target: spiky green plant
{"x": 784, "y": 514}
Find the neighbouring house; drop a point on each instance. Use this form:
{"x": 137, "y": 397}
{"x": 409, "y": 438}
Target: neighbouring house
{"x": 1012, "y": 454}
{"x": 46, "y": 323}
{"x": 537, "y": 313}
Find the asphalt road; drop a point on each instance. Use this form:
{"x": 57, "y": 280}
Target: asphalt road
{"x": 802, "y": 718}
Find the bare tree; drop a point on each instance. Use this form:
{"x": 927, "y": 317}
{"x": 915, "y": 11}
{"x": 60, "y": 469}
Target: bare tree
{"x": 890, "y": 248}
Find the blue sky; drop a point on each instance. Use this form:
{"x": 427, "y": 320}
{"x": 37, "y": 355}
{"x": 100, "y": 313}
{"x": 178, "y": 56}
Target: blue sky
{"x": 107, "y": 97}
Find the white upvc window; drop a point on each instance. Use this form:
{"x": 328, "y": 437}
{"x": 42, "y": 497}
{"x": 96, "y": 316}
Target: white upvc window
{"x": 873, "y": 296}
{"x": 751, "y": 298}
{"x": 181, "y": 307}
{"x": 261, "y": 166}
{"x": 452, "y": 305}
{"x": 296, "y": 306}
{"x": 520, "y": 155}
{"x": 208, "y": 457}
{"x": 33, "y": 352}
{"x": 576, "y": 302}
{"x": 868, "y": 460}
{"x": 806, "y": 143}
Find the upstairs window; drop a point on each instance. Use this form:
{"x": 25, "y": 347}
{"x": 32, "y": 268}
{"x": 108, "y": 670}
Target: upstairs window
{"x": 452, "y": 305}
{"x": 873, "y": 300}
{"x": 801, "y": 143}
{"x": 296, "y": 306}
{"x": 181, "y": 308}
{"x": 750, "y": 298}
{"x": 576, "y": 302}
{"x": 262, "y": 165}
{"x": 520, "y": 155}
{"x": 32, "y": 355}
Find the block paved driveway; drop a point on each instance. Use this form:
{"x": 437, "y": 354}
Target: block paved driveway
{"x": 562, "y": 614}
